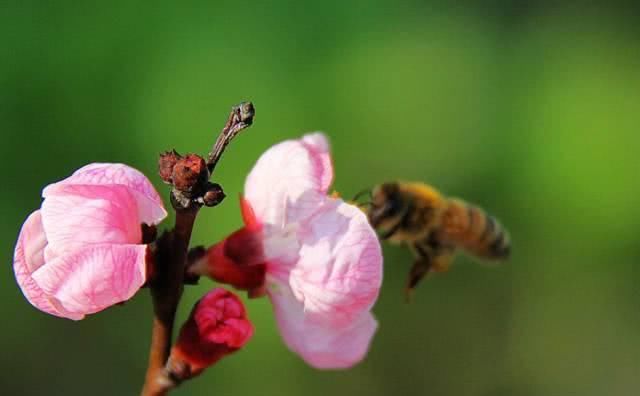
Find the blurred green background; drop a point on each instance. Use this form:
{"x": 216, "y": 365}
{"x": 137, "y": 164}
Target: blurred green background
{"x": 530, "y": 111}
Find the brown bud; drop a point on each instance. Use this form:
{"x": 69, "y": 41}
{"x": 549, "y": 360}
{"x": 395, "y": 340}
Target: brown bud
{"x": 166, "y": 163}
{"x": 194, "y": 255}
{"x": 214, "y": 195}
{"x": 246, "y": 112}
{"x": 188, "y": 172}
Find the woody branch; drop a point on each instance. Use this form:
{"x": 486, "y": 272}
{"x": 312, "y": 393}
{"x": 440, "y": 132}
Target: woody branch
{"x": 191, "y": 189}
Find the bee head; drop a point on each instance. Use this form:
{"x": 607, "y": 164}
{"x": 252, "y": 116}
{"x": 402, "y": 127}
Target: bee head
{"x": 386, "y": 202}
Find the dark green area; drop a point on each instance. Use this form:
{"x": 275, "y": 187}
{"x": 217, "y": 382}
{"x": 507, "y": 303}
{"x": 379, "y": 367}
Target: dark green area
{"x": 529, "y": 111}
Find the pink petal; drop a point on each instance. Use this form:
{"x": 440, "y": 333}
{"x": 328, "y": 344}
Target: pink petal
{"x": 93, "y": 278}
{"x": 79, "y": 215}
{"x": 149, "y": 203}
{"x": 321, "y": 345}
{"x": 318, "y": 147}
{"x": 29, "y": 257}
{"x": 339, "y": 270}
{"x": 290, "y": 180}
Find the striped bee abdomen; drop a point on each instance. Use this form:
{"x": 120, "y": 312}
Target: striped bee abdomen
{"x": 471, "y": 229}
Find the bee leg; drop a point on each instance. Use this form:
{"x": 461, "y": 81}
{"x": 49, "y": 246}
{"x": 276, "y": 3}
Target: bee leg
{"x": 388, "y": 234}
{"x": 419, "y": 269}
{"x": 430, "y": 257}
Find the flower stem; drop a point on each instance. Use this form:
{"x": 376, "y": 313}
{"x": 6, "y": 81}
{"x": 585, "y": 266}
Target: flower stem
{"x": 166, "y": 291}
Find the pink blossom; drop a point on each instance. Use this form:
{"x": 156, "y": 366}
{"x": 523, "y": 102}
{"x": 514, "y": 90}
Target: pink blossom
{"x": 82, "y": 251}
{"x": 218, "y": 325}
{"x": 316, "y": 256}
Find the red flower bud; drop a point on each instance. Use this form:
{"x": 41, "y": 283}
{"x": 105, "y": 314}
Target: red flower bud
{"x": 218, "y": 325}
{"x": 166, "y": 163}
{"x": 189, "y": 172}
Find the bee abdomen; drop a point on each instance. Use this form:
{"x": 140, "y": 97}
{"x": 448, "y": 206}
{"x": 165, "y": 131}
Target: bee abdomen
{"x": 472, "y": 229}
{"x": 500, "y": 244}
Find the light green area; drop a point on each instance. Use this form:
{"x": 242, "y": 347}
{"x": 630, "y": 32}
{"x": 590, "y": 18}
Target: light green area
{"x": 532, "y": 113}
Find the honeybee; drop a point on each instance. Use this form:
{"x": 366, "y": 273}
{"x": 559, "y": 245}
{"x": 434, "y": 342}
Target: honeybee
{"x": 434, "y": 227}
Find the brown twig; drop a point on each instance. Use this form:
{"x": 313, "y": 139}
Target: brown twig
{"x": 189, "y": 193}
{"x": 166, "y": 291}
{"x": 241, "y": 117}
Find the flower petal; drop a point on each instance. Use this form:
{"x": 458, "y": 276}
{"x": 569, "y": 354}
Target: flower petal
{"x": 321, "y": 344}
{"x": 319, "y": 149}
{"x": 290, "y": 180}
{"x": 93, "y": 278}
{"x": 149, "y": 203}
{"x": 339, "y": 270}
{"x": 29, "y": 257}
{"x": 78, "y": 215}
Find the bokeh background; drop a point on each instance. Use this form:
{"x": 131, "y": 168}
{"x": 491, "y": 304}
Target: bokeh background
{"x": 529, "y": 110}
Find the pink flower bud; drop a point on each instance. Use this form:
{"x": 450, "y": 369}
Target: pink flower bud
{"x": 316, "y": 256}
{"x": 82, "y": 251}
{"x": 218, "y": 325}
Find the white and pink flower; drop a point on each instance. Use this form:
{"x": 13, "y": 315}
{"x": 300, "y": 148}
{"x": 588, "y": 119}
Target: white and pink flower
{"x": 82, "y": 251}
{"x": 316, "y": 256}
